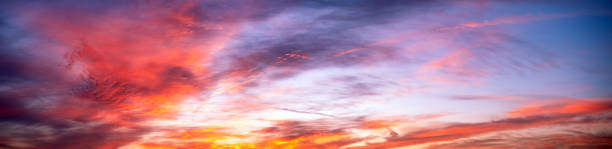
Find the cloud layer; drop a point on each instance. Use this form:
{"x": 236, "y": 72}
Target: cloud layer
{"x": 304, "y": 74}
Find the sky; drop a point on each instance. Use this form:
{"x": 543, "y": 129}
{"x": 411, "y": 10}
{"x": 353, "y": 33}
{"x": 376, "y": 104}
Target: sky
{"x": 312, "y": 74}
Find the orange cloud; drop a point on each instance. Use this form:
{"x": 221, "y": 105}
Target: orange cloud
{"x": 536, "y": 115}
{"x": 580, "y": 135}
{"x": 563, "y": 106}
{"x": 462, "y": 130}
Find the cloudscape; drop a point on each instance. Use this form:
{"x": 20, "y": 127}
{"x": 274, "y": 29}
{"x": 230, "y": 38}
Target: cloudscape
{"x": 305, "y": 74}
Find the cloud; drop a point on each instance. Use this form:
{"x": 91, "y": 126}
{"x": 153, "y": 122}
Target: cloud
{"x": 463, "y": 130}
{"x": 490, "y": 97}
{"x": 589, "y": 135}
{"x": 563, "y": 106}
{"x": 569, "y": 112}
{"x": 148, "y": 74}
{"x": 101, "y": 68}
{"x": 313, "y": 40}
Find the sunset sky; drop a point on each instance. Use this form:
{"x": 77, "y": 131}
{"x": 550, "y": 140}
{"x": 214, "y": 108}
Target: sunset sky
{"x": 312, "y": 74}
